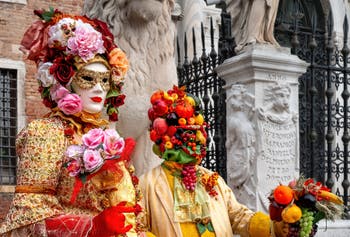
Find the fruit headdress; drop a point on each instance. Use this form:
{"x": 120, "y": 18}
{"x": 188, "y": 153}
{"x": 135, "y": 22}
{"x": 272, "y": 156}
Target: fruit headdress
{"x": 60, "y": 45}
{"x": 178, "y": 126}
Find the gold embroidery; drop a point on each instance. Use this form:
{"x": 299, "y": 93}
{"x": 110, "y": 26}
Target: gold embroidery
{"x": 87, "y": 79}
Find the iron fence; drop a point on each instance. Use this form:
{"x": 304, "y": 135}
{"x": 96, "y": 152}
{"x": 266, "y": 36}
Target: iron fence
{"x": 200, "y": 79}
{"x": 306, "y": 27}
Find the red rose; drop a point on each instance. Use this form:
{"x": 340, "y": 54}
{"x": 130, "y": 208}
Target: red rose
{"x": 107, "y": 36}
{"x": 48, "y": 103}
{"x": 117, "y": 101}
{"x": 34, "y": 41}
{"x": 62, "y": 71}
{"x": 113, "y": 117}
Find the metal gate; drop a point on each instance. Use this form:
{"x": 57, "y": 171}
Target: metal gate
{"x": 306, "y": 27}
{"x": 200, "y": 79}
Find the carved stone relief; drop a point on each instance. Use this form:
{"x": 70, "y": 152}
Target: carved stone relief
{"x": 240, "y": 145}
{"x": 277, "y": 144}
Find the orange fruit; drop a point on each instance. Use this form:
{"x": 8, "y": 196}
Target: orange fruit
{"x": 283, "y": 195}
{"x": 182, "y": 121}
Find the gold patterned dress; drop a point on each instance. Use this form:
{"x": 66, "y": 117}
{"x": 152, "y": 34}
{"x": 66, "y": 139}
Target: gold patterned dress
{"x": 44, "y": 188}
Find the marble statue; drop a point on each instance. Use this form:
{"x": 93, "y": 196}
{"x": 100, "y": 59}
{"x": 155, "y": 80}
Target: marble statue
{"x": 252, "y": 21}
{"x": 145, "y": 30}
{"x": 241, "y": 145}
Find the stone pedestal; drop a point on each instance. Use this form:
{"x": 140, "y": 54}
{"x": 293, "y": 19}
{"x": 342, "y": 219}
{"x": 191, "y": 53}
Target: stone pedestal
{"x": 262, "y": 121}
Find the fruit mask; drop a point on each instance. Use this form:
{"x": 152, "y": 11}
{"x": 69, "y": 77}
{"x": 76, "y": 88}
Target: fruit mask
{"x": 178, "y": 126}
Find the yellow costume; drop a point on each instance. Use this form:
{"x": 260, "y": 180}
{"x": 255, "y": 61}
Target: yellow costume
{"x": 73, "y": 176}
{"x": 227, "y": 215}
{"x": 44, "y": 187}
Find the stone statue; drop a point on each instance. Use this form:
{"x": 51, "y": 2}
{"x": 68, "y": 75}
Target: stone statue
{"x": 252, "y": 21}
{"x": 241, "y": 145}
{"x": 144, "y": 29}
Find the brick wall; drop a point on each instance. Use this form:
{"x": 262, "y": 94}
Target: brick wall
{"x": 14, "y": 20}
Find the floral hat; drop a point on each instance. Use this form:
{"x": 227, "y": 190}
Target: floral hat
{"x": 178, "y": 126}
{"x": 61, "y": 45}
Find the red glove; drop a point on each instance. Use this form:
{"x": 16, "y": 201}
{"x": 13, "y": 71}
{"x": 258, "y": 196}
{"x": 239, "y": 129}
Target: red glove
{"x": 111, "y": 221}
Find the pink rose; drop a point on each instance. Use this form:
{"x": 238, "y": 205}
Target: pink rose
{"x": 74, "y": 167}
{"x": 92, "y": 160}
{"x": 93, "y": 138}
{"x": 86, "y": 42}
{"x": 113, "y": 144}
{"x": 70, "y": 104}
{"x": 74, "y": 151}
{"x": 57, "y": 92}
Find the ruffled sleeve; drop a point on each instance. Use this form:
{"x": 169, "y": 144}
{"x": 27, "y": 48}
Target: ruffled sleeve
{"x": 40, "y": 148}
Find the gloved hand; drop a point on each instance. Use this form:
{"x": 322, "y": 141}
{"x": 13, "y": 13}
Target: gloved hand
{"x": 110, "y": 221}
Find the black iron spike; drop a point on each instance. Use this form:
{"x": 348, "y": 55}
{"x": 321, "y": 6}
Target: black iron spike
{"x": 346, "y": 29}
{"x": 185, "y": 50}
{"x": 212, "y": 52}
{"x": 194, "y": 43}
{"x": 203, "y": 41}
{"x": 178, "y": 51}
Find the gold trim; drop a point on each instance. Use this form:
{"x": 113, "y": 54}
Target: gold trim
{"x": 7, "y": 188}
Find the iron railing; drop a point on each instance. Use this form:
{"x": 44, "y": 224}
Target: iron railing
{"x": 200, "y": 79}
{"x": 307, "y": 27}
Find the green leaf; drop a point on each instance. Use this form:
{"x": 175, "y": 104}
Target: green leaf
{"x": 318, "y": 216}
{"x": 112, "y": 93}
{"x": 45, "y": 92}
{"x": 201, "y": 228}
{"x": 47, "y": 15}
{"x": 83, "y": 178}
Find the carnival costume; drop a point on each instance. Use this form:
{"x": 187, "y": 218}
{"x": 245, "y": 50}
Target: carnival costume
{"x": 180, "y": 197}
{"x": 73, "y": 176}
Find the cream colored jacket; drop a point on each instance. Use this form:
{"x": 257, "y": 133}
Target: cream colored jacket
{"x": 228, "y": 216}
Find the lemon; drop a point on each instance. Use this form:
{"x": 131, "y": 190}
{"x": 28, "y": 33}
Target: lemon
{"x": 190, "y": 100}
{"x": 291, "y": 214}
{"x": 199, "y": 120}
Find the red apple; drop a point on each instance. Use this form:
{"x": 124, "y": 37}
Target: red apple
{"x": 151, "y": 114}
{"x": 184, "y": 110}
{"x": 171, "y": 131}
{"x": 160, "y": 107}
{"x": 153, "y": 135}
{"x": 156, "y": 96}
{"x": 160, "y": 126}
{"x": 275, "y": 211}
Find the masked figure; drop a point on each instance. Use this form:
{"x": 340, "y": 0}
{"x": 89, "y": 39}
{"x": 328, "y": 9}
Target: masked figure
{"x": 73, "y": 176}
{"x": 181, "y": 198}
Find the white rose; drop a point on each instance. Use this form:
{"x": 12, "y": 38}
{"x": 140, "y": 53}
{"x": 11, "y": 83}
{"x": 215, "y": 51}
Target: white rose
{"x": 56, "y": 33}
{"x": 44, "y": 76}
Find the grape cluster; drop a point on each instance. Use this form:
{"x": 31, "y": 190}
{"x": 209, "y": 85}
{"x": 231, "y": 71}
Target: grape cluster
{"x": 306, "y": 222}
{"x": 294, "y": 230}
{"x": 189, "y": 177}
{"x": 304, "y": 227}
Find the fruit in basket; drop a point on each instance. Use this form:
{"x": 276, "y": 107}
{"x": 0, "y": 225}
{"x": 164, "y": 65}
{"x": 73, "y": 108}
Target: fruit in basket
{"x": 275, "y": 211}
{"x": 291, "y": 214}
{"x": 283, "y": 195}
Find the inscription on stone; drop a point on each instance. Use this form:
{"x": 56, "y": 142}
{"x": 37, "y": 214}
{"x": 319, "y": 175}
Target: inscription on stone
{"x": 276, "y": 77}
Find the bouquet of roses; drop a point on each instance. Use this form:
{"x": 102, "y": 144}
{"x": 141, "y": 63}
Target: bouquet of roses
{"x": 303, "y": 203}
{"x": 97, "y": 146}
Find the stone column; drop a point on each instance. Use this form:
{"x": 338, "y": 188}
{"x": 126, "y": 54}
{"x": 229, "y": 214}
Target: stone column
{"x": 262, "y": 121}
